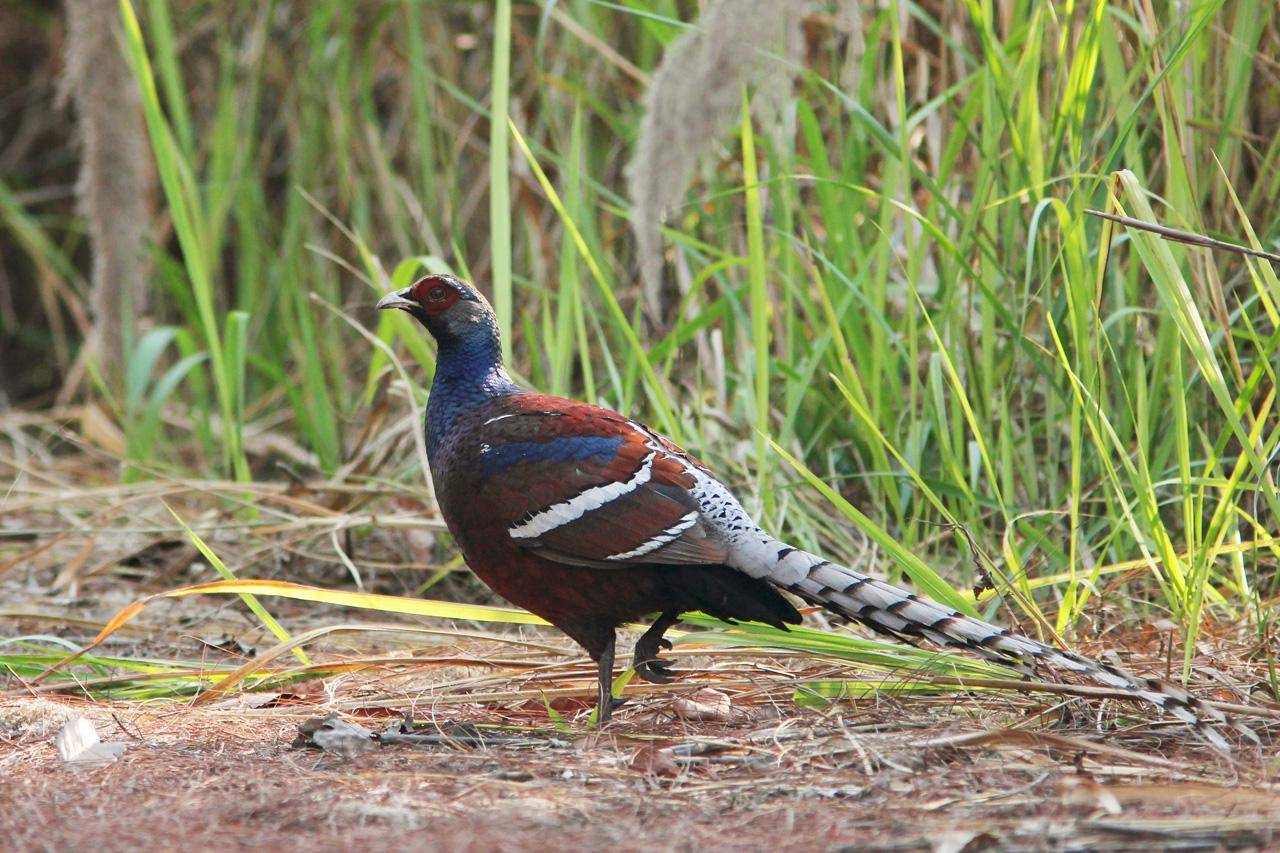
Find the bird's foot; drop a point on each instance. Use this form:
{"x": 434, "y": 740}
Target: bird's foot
{"x": 648, "y": 665}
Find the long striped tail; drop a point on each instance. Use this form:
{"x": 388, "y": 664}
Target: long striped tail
{"x": 906, "y": 616}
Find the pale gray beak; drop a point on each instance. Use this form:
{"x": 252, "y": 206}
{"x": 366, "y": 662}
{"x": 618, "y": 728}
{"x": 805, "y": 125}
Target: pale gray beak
{"x": 397, "y": 299}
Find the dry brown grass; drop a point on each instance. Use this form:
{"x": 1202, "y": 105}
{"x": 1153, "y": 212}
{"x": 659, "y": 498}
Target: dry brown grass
{"x": 877, "y": 775}
{"x": 948, "y": 771}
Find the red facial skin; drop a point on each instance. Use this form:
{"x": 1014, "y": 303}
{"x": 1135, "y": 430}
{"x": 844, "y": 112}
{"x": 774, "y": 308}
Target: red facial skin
{"x": 434, "y": 295}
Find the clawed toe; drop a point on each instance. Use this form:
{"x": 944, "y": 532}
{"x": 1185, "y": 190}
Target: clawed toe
{"x": 655, "y": 671}
{"x": 651, "y": 668}
{"x": 648, "y": 666}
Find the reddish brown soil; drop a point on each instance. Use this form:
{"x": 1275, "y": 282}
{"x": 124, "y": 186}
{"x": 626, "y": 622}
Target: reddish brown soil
{"x": 203, "y": 779}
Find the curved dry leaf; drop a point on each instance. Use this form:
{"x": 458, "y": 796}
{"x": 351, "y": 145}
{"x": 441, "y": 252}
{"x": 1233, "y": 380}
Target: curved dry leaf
{"x": 706, "y": 706}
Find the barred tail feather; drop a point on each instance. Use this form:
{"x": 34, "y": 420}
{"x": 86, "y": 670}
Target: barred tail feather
{"x": 885, "y": 608}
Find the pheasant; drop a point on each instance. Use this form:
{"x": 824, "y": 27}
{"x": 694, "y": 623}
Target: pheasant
{"x": 592, "y": 520}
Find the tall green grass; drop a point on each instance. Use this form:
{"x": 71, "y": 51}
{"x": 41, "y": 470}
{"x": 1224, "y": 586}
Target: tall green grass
{"x": 902, "y": 290}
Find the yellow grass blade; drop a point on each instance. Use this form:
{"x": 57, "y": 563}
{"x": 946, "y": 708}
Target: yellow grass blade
{"x": 252, "y": 603}
{"x": 302, "y": 592}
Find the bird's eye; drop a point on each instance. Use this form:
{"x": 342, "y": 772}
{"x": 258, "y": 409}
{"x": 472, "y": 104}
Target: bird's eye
{"x": 437, "y": 293}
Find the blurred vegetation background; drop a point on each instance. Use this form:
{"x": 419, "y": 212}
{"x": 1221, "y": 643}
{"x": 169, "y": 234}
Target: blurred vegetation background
{"x": 820, "y": 243}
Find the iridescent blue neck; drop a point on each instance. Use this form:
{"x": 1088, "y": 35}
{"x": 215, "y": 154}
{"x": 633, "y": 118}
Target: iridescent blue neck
{"x": 469, "y": 373}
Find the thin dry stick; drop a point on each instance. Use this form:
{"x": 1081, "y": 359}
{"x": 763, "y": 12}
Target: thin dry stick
{"x": 1187, "y": 237}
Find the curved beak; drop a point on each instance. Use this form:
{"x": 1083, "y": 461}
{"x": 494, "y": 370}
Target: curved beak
{"x": 397, "y": 299}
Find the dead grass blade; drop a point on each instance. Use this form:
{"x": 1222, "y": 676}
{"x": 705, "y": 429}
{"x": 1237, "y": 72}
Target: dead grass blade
{"x": 1027, "y": 738}
{"x": 256, "y": 666}
{"x": 302, "y": 592}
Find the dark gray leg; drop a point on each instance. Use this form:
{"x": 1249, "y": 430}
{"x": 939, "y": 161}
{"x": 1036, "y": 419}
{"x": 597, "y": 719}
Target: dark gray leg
{"x": 605, "y": 703}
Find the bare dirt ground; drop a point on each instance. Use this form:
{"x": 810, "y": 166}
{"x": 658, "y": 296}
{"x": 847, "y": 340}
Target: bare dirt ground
{"x": 218, "y": 780}
{"x": 941, "y": 773}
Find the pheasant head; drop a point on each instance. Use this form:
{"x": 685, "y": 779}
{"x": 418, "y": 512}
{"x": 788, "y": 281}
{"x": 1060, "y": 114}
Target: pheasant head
{"x": 469, "y": 370}
{"x": 452, "y": 310}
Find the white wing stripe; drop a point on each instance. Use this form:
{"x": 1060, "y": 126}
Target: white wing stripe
{"x": 558, "y": 515}
{"x": 665, "y": 537}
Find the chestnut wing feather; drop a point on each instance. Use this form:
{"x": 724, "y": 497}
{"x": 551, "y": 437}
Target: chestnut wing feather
{"x": 589, "y": 488}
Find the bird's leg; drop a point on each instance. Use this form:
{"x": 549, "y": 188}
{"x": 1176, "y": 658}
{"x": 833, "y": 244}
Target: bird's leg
{"x": 645, "y": 661}
{"x": 605, "y": 703}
